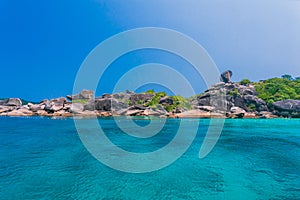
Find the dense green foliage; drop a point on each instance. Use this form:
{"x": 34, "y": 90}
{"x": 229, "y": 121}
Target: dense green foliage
{"x": 150, "y": 92}
{"x": 287, "y": 76}
{"x": 155, "y": 99}
{"x": 179, "y": 102}
{"x": 277, "y": 89}
{"x": 245, "y": 82}
{"x": 234, "y": 92}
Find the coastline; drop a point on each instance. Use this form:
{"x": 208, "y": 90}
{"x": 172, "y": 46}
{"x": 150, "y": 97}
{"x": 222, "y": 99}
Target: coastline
{"x": 222, "y": 100}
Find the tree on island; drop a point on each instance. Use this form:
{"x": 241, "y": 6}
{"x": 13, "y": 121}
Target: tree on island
{"x": 287, "y": 76}
{"x": 245, "y": 82}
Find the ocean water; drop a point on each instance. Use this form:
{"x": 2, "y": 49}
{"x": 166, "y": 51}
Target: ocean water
{"x": 44, "y": 158}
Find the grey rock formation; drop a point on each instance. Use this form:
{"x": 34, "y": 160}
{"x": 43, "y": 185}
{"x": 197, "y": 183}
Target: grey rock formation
{"x": 105, "y": 104}
{"x": 36, "y": 107}
{"x": 4, "y": 109}
{"x": 84, "y": 94}
{"x": 59, "y": 101}
{"x": 226, "y": 76}
{"x": 54, "y": 105}
{"x": 260, "y": 105}
{"x": 225, "y": 96}
{"x": 237, "y": 112}
{"x": 3, "y": 102}
{"x": 287, "y": 108}
{"x": 76, "y": 108}
{"x": 166, "y": 100}
{"x": 11, "y": 102}
{"x": 140, "y": 98}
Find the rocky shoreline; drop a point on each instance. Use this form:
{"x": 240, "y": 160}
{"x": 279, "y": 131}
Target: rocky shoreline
{"x": 237, "y": 100}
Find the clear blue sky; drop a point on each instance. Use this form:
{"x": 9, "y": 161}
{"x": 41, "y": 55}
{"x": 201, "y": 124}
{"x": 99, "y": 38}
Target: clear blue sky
{"x": 43, "y": 43}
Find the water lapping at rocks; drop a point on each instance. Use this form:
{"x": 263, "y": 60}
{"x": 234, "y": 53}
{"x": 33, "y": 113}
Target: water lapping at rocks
{"x": 222, "y": 100}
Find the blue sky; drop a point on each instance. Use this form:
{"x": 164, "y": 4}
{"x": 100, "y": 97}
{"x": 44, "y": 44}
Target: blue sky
{"x": 43, "y": 43}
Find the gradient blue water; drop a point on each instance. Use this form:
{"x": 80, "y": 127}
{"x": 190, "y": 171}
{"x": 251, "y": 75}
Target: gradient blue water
{"x": 42, "y": 158}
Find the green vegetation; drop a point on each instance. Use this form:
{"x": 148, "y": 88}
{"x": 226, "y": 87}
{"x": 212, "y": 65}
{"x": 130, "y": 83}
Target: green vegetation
{"x": 139, "y": 102}
{"x": 251, "y": 107}
{"x": 277, "y": 89}
{"x": 179, "y": 102}
{"x": 155, "y": 99}
{"x": 234, "y": 92}
{"x": 150, "y": 92}
{"x": 82, "y": 101}
{"x": 287, "y": 76}
{"x": 245, "y": 82}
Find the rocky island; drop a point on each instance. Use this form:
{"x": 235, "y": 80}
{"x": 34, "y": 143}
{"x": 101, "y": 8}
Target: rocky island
{"x": 272, "y": 98}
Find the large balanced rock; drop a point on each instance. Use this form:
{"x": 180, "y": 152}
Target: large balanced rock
{"x": 225, "y": 96}
{"x": 287, "y": 108}
{"x": 226, "y": 76}
{"x": 84, "y": 94}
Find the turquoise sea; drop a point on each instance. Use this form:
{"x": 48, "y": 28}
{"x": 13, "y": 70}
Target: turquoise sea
{"x": 43, "y": 158}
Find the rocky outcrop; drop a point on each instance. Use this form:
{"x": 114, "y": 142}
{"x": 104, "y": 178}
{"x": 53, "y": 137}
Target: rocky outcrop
{"x": 199, "y": 114}
{"x": 140, "y": 98}
{"x": 54, "y": 105}
{"x": 260, "y": 105}
{"x": 166, "y": 100}
{"x": 84, "y": 94}
{"x": 287, "y": 108}
{"x": 226, "y": 76}
{"x": 20, "y": 112}
{"x": 76, "y": 108}
{"x": 236, "y": 112}
{"x": 222, "y": 100}
{"x": 11, "y": 102}
{"x": 224, "y": 96}
{"x": 105, "y": 104}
